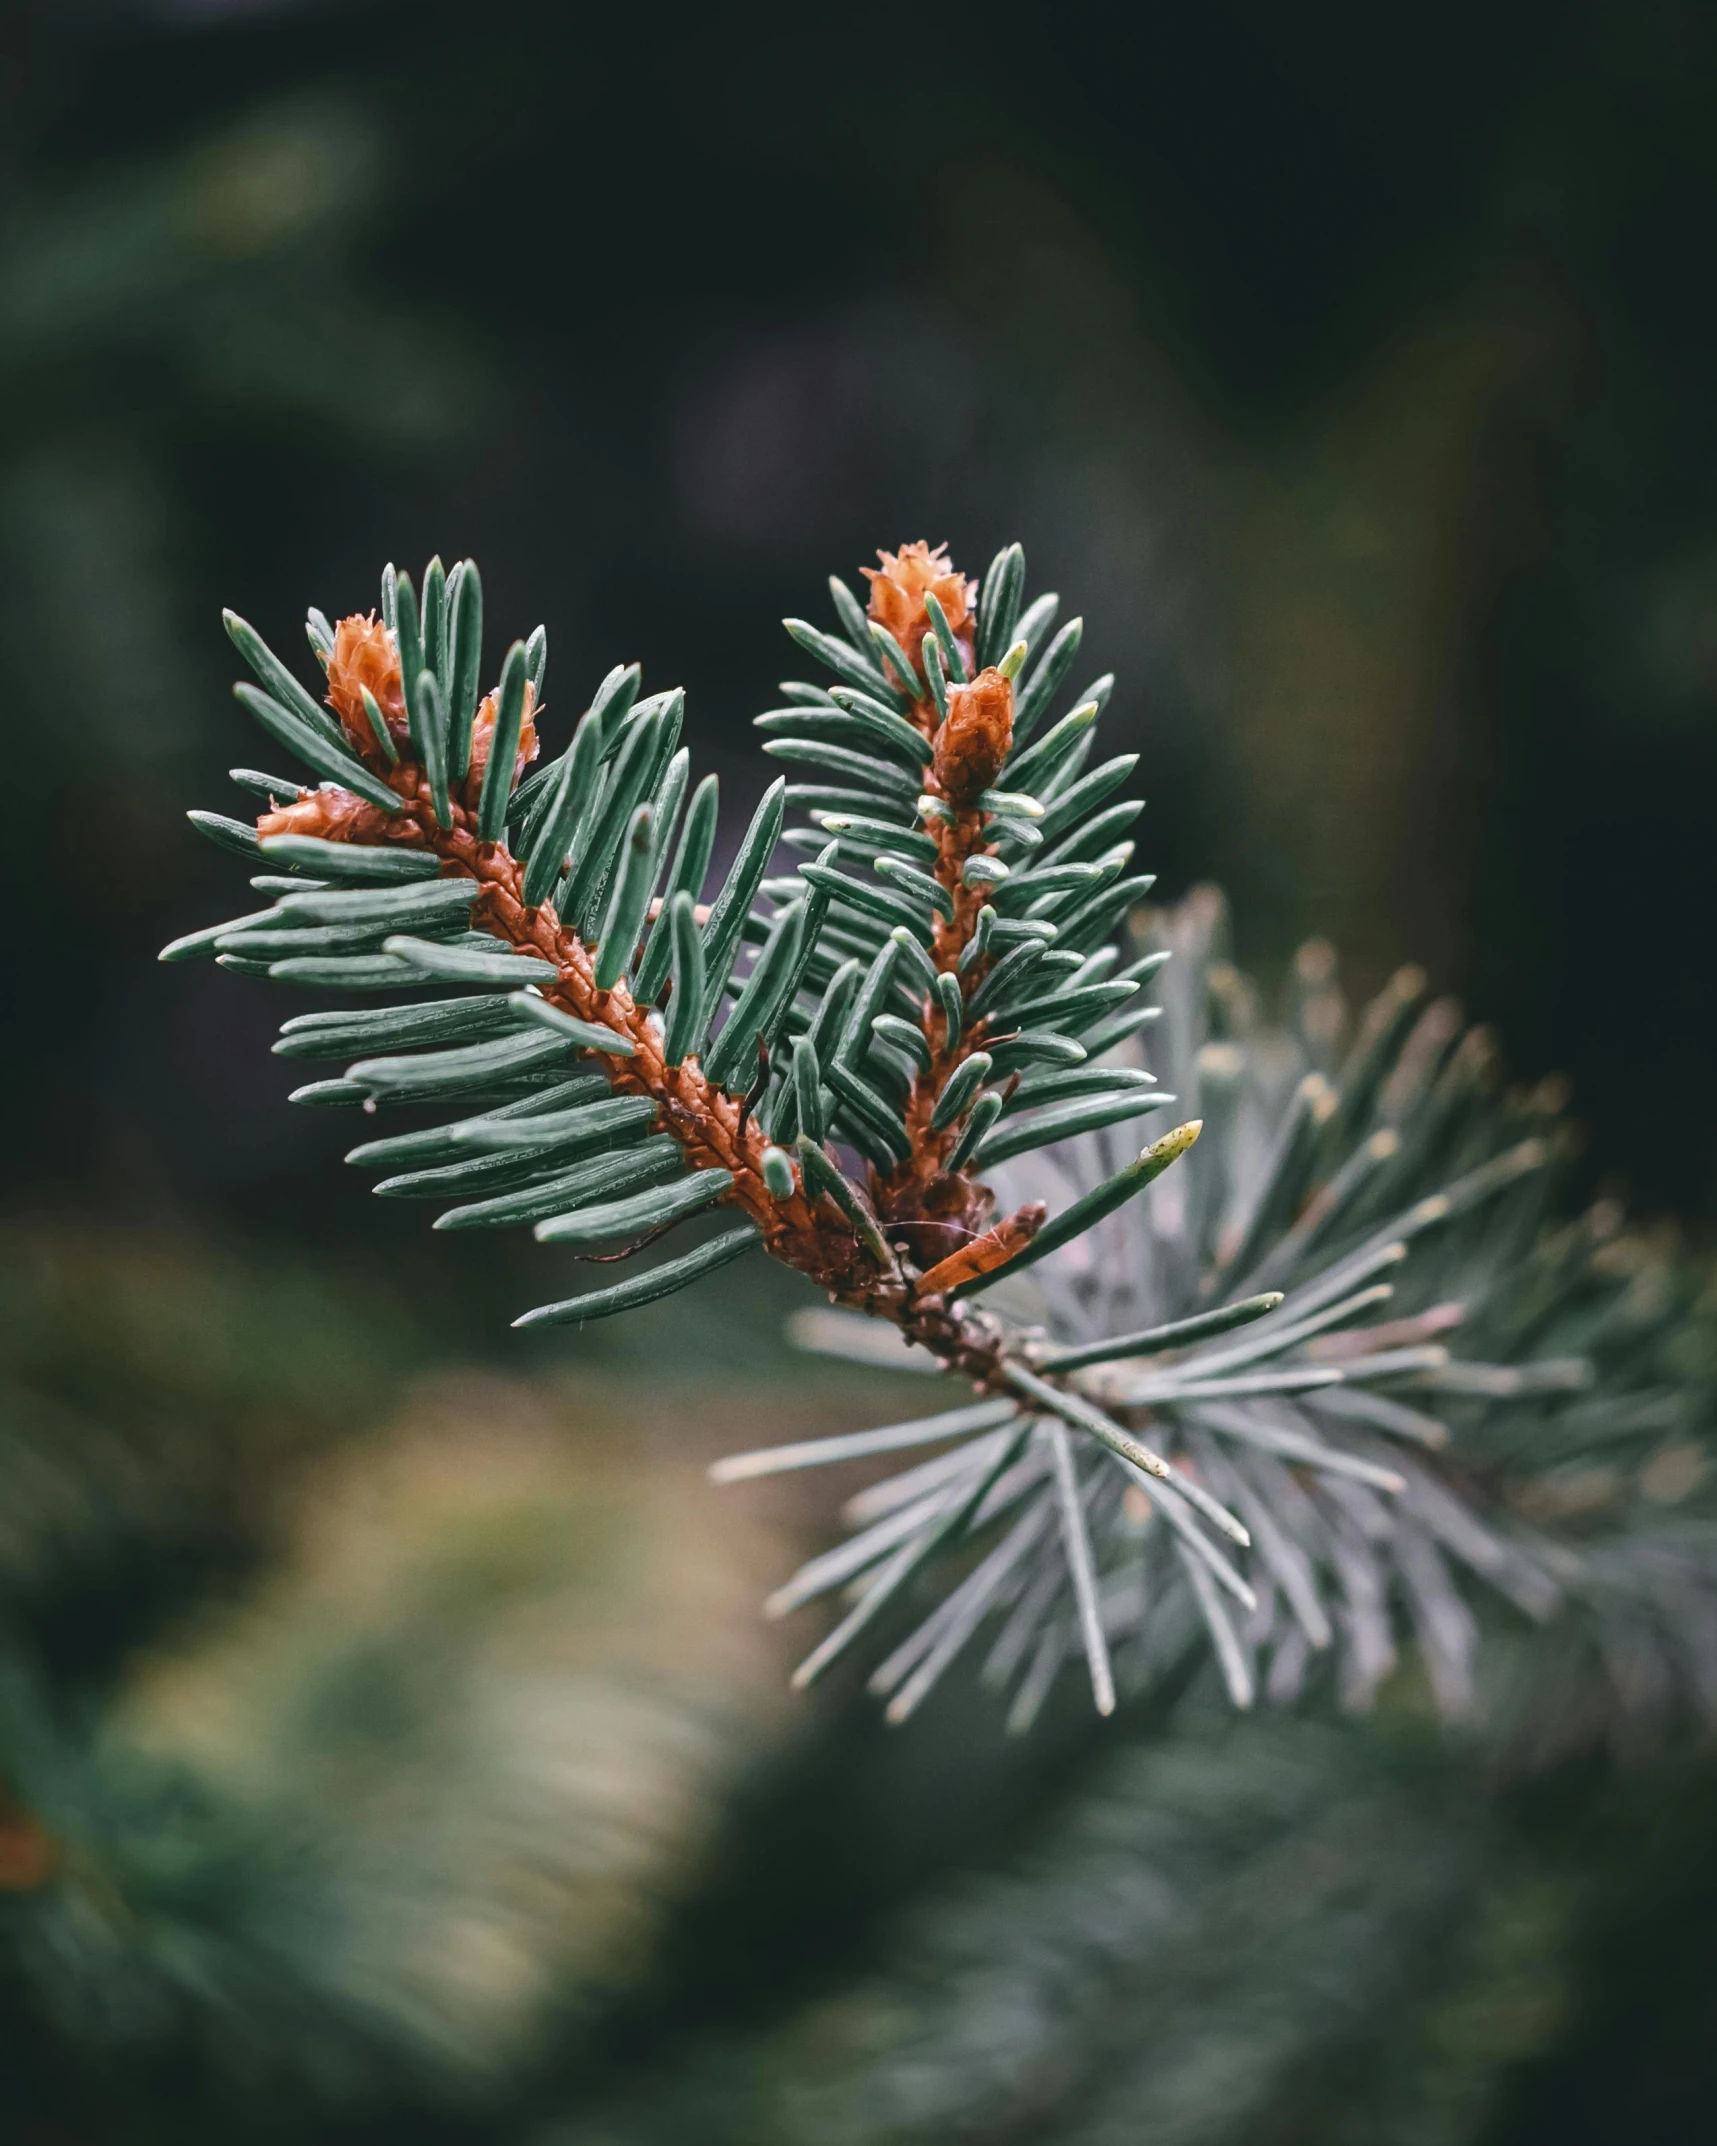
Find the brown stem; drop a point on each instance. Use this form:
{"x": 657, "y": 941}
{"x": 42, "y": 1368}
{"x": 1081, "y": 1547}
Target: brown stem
{"x": 710, "y": 1126}
{"x": 942, "y": 1211}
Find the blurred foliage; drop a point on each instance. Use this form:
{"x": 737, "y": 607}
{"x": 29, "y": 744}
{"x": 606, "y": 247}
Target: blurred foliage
{"x": 1275, "y": 1932}
{"x": 464, "y": 1745}
{"x": 350, "y": 1741}
{"x": 154, "y": 1393}
{"x": 461, "y": 1793}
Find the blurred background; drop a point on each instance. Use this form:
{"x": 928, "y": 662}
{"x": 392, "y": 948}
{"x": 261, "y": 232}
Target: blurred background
{"x": 396, "y": 1688}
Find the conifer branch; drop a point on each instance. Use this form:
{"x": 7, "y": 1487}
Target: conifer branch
{"x": 842, "y": 1094}
{"x": 845, "y": 1064}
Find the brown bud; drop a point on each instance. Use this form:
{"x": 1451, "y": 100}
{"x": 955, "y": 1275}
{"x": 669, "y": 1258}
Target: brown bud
{"x": 330, "y": 815}
{"x": 975, "y": 740}
{"x": 366, "y": 654}
{"x": 898, "y": 589}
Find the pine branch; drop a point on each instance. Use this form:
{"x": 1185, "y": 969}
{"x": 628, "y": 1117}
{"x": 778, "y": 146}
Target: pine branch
{"x": 843, "y": 1065}
{"x": 902, "y": 982}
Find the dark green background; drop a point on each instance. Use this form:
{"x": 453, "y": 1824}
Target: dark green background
{"x": 1350, "y": 371}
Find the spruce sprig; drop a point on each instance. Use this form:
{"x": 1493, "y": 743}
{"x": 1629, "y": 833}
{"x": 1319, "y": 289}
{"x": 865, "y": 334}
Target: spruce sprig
{"x": 828, "y": 1062}
{"x": 843, "y": 1064}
